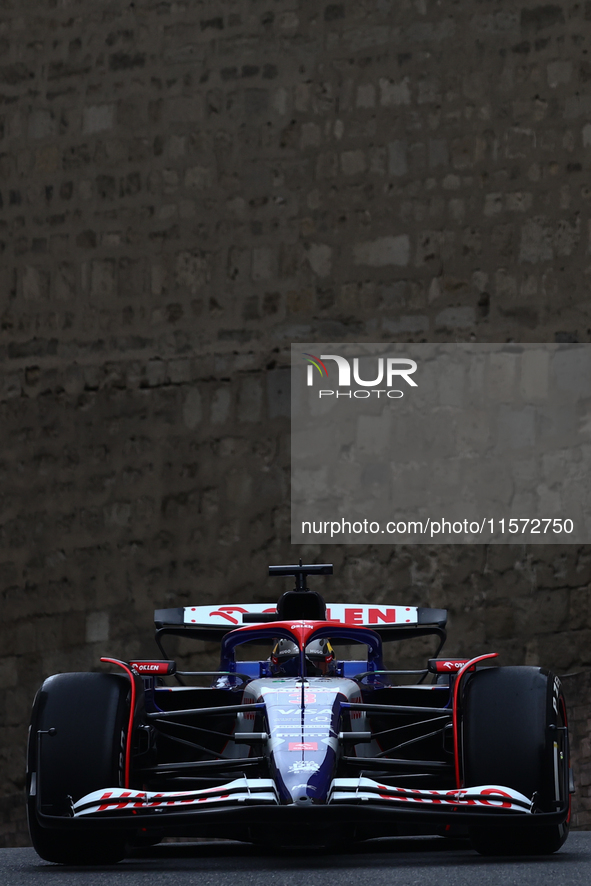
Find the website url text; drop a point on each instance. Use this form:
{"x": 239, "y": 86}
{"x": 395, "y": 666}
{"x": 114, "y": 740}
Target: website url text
{"x": 433, "y": 528}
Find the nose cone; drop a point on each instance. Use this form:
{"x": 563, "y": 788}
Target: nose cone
{"x": 308, "y": 781}
{"x": 303, "y": 724}
{"x": 302, "y": 800}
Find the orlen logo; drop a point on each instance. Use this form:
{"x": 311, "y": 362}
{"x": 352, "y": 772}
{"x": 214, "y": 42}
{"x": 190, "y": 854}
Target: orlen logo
{"x": 442, "y": 666}
{"x": 388, "y": 370}
{"x": 152, "y": 667}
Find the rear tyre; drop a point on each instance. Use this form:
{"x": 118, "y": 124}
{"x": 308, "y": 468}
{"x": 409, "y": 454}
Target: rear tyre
{"x": 89, "y": 713}
{"x": 514, "y": 736}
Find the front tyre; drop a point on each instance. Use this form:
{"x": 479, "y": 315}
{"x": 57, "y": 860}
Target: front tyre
{"x": 515, "y": 735}
{"x": 76, "y": 745}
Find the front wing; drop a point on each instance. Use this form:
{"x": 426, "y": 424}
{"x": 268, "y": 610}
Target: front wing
{"x": 122, "y": 803}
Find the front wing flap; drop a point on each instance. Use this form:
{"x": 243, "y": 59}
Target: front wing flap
{"x": 489, "y": 797}
{"x": 123, "y": 800}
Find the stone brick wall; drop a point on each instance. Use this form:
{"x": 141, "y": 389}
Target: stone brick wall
{"x": 186, "y": 188}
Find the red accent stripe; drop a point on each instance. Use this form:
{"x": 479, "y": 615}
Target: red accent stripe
{"x": 122, "y": 664}
{"x": 456, "y": 696}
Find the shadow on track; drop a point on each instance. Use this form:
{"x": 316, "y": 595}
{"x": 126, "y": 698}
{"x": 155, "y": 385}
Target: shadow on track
{"x": 231, "y": 858}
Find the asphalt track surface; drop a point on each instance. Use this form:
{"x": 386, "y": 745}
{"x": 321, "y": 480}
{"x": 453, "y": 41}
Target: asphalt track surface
{"x": 419, "y": 861}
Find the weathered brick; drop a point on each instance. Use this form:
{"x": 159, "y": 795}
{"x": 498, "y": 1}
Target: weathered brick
{"x": 397, "y": 162}
{"x": 192, "y": 270}
{"x": 103, "y": 279}
{"x": 97, "y": 627}
{"x": 536, "y": 241}
{"x": 383, "y": 251}
{"x": 98, "y": 118}
{"x": 366, "y": 95}
{"x": 41, "y": 124}
{"x": 353, "y": 162}
{"x": 410, "y": 323}
{"x": 438, "y": 152}
{"x": 250, "y": 399}
{"x": 192, "y": 409}
{"x": 456, "y": 318}
{"x": 262, "y": 263}
{"x": 392, "y": 93}
{"x": 320, "y": 258}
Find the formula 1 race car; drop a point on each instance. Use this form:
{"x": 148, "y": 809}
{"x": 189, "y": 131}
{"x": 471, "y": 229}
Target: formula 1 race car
{"x": 301, "y": 748}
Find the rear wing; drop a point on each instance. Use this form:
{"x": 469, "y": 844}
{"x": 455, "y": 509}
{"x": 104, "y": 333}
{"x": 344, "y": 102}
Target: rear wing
{"x": 213, "y": 622}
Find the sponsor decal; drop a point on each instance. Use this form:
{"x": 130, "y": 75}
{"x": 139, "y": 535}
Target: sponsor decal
{"x": 495, "y": 797}
{"x": 365, "y": 615}
{"x": 309, "y": 698}
{"x": 293, "y": 713}
{"x": 465, "y": 796}
{"x": 450, "y": 666}
{"x": 114, "y": 799}
{"x": 336, "y": 613}
{"x": 151, "y": 667}
{"x": 141, "y": 800}
{"x": 222, "y": 615}
{"x": 229, "y": 613}
{"x": 303, "y": 746}
{"x": 278, "y": 732}
{"x": 304, "y": 766}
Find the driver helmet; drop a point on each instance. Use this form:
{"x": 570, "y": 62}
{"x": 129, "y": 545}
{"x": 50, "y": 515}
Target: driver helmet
{"x": 320, "y": 656}
{"x": 320, "y": 659}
